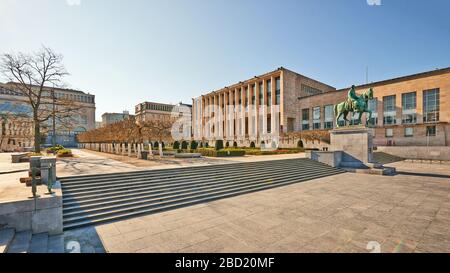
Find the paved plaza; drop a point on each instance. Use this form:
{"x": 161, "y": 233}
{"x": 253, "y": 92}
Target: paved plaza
{"x": 342, "y": 213}
{"x": 409, "y": 212}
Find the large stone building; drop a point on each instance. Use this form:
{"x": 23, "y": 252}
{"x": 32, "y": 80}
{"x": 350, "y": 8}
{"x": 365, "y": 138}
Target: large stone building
{"x": 410, "y": 110}
{"x": 110, "y": 118}
{"x": 13, "y": 102}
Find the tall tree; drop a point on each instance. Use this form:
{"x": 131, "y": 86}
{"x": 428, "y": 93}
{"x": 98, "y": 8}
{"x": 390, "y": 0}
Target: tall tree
{"x": 35, "y": 76}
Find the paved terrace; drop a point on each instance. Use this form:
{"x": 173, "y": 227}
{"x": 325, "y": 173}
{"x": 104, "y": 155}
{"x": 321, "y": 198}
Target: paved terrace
{"x": 409, "y": 212}
{"x": 343, "y": 213}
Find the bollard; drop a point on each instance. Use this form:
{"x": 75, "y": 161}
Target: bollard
{"x": 33, "y": 183}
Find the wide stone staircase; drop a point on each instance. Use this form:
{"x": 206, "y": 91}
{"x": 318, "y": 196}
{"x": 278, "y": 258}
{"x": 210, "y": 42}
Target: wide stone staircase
{"x": 26, "y": 242}
{"x": 385, "y": 158}
{"x": 95, "y": 199}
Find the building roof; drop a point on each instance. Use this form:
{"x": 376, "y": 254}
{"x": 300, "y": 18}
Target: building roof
{"x": 403, "y": 78}
{"x": 52, "y": 88}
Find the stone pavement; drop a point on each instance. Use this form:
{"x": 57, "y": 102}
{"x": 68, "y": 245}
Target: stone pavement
{"x": 342, "y": 213}
{"x": 90, "y": 162}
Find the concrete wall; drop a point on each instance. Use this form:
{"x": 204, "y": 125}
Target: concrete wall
{"x": 42, "y": 215}
{"x": 418, "y": 152}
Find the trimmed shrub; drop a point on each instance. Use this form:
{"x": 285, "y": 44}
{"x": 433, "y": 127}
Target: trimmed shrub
{"x": 194, "y": 145}
{"x": 176, "y": 145}
{"x": 227, "y": 144}
{"x": 206, "y": 145}
{"x": 201, "y": 144}
{"x": 221, "y": 153}
{"x": 219, "y": 145}
{"x": 184, "y": 145}
{"x": 65, "y": 153}
{"x": 235, "y": 144}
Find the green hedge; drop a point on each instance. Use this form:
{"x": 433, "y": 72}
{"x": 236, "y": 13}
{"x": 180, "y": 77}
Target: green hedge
{"x": 221, "y": 153}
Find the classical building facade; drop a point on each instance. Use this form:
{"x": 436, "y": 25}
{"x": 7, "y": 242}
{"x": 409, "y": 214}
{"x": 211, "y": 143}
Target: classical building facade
{"x": 410, "y": 110}
{"x": 14, "y": 103}
{"x": 253, "y": 111}
{"x": 180, "y": 113}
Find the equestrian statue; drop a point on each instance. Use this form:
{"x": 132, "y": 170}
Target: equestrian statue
{"x": 354, "y": 104}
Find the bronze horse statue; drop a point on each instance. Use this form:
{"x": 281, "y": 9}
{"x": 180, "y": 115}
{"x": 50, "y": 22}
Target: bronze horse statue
{"x": 354, "y": 103}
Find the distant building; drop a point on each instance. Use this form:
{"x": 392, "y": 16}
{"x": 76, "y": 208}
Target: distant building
{"x": 12, "y": 101}
{"x": 110, "y": 118}
{"x": 407, "y": 111}
{"x": 148, "y": 111}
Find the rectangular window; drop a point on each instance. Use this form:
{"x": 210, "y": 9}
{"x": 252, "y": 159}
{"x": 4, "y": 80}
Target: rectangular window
{"x": 261, "y": 94}
{"x": 277, "y": 90}
{"x": 373, "y": 106}
{"x": 389, "y": 110}
{"x": 254, "y": 94}
{"x": 409, "y": 132}
{"x": 316, "y": 118}
{"x": 269, "y": 92}
{"x": 389, "y": 132}
{"x": 329, "y": 117}
{"x": 409, "y": 108}
{"x": 431, "y": 105}
{"x": 431, "y": 130}
{"x": 305, "y": 119}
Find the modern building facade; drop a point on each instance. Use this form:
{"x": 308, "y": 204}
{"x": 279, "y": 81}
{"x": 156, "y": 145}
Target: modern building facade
{"x": 410, "y": 110}
{"x": 12, "y": 101}
{"x": 251, "y": 112}
{"x": 110, "y": 118}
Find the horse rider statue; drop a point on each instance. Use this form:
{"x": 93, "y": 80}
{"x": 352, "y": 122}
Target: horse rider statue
{"x": 354, "y": 103}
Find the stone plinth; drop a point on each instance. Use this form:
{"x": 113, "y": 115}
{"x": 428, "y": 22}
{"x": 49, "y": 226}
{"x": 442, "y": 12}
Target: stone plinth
{"x": 48, "y": 165}
{"x": 356, "y": 144}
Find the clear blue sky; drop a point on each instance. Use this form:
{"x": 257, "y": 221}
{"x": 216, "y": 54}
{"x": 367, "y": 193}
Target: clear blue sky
{"x": 126, "y": 52}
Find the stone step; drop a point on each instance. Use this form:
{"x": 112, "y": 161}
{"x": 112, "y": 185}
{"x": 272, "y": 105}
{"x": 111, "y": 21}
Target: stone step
{"x": 161, "y": 172}
{"x": 20, "y": 243}
{"x": 143, "y": 210}
{"x": 74, "y": 194}
{"x": 39, "y": 243}
{"x": 191, "y": 190}
{"x": 181, "y": 173}
{"x": 132, "y": 195}
{"x": 6, "y": 237}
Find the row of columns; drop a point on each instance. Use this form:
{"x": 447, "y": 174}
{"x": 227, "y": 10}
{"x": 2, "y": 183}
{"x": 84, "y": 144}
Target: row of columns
{"x": 213, "y": 120}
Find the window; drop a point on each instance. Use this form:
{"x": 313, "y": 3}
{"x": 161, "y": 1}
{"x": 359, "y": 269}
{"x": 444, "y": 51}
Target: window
{"x": 409, "y": 108}
{"x": 308, "y": 90}
{"x": 409, "y": 132}
{"x": 277, "y": 91}
{"x": 316, "y": 117}
{"x": 305, "y": 119}
{"x": 373, "y": 106}
{"x": 389, "y": 110}
{"x": 431, "y": 130}
{"x": 261, "y": 93}
{"x": 389, "y": 132}
{"x": 254, "y": 94}
{"x": 431, "y": 105}
{"x": 269, "y": 92}
{"x": 328, "y": 124}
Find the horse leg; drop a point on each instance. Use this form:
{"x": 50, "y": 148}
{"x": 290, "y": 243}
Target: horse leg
{"x": 360, "y": 117}
{"x": 368, "y": 118}
{"x": 337, "y": 119}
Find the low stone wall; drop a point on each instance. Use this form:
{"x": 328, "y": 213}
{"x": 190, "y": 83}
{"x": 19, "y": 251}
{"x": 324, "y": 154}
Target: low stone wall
{"x": 41, "y": 215}
{"x": 418, "y": 152}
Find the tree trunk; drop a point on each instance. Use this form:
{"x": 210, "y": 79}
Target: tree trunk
{"x": 37, "y": 137}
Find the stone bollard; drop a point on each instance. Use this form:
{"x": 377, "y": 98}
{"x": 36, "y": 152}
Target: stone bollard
{"x": 48, "y": 163}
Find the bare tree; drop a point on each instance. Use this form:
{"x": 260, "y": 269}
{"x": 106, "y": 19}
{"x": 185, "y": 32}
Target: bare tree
{"x": 32, "y": 75}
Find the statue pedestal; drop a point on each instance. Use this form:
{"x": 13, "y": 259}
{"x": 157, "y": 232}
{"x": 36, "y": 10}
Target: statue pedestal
{"x": 356, "y": 144}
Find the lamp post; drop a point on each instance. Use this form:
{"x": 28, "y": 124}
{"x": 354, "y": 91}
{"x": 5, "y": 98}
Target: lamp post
{"x": 53, "y": 117}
